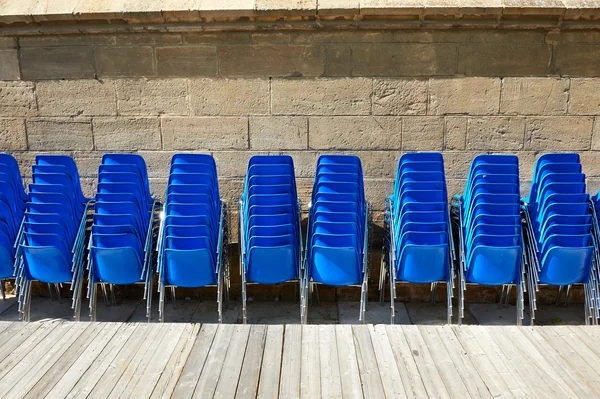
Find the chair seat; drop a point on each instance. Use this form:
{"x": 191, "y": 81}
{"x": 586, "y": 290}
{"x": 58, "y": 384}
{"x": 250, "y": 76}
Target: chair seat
{"x": 116, "y": 265}
{"x": 272, "y": 265}
{"x": 420, "y": 264}
{"x": 189, "y": 268}
{"x": 335, "y": 266}
{"x": 494, "y": 265}
{"x": 565, "y": 266}
{"x": 47, "y": 264}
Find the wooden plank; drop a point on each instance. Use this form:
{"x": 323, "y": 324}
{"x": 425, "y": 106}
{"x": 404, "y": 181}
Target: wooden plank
{"x": 388, "y": 370}
{"x": 207, "y": 383}
{"x": 98, "y": 332}
{"x": 4, "y": 325}
{"x": 348, "y": 360}
{"x": 530, "y": 337}
{"x": 270, "y": 370}
{"x": 446, "y": 368}
{"x": 127, "y": 356}
{"x": 310, "y": 364}
{"x": 250, "y": 374}
{"x": 588, "y": 354}
{"x": 571, "y": 357}
{"x": 195, "y": 363}
{"x": 289, "y": 386}
{"x": 434, "y": 385}
{"x": 168, "y": 379}
{"x": 331, "y": 383}
{"x": 96, "y": 370}
{"x": 409, "y": 372}
{"x": 31, "y": 368}
{"x": 22, "y": 339}
{"x": 232, "y": 367}
{"x": 482, "y": 363}
{"x": 367, "y": 363}
{"x": 145, "y": 378}
{"x": 8, "y": 305}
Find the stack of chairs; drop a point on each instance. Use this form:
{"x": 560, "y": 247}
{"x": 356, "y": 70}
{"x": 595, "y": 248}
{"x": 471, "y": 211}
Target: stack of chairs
{"x": 560, "y": 223}
{"x": 121, "y": 240}
{"x": 338, "y": 230}
{"x": 490, "y": 226}
{"x": 193, "y": 235}
{"x": 52, "y": 244}
{"x": 270, "y": 230}
{"x": 12, "y": 207}
{"x": 418, "y": 244}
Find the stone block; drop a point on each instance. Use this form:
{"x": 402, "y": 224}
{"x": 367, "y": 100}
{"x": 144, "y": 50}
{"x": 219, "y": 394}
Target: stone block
{"x": 233, "y": 164}
{"x": 585, "y": 97}
{"x": 457, "y": 164}
{"x": 88, "y": 162}
{"x": 422, "y": 133}
{"x": 286, "y": 7}
{"x": 489, "y": 59}
{"x": 577, "y": 60}
{"x": 8, "y": 42}
{"x": 148, "y": 38}
{"x": 345, "y": 96}
{"x": 399, "y": 97}
{"x": 227, "y": 9}
{"x": 62, "y": 40}
{"x": 204, "y": 133}
{"x": 338, "y": 60}
{"x": 186, "y": 61}
{"x": 337, "y": 7}
{"x": 126, "y": 134}
{"x": 596, "y": 134}
{"x": 534, "y": 96}
{"x": 229, "y": 96}
{"x": 379, "y": 164}
{"x": 124, "y": 61}
{"x": 13, "y": 135}
{"x": 76, "y": 62}
{"x": 152, "y": 97}
{"x": 518, "y": 36}
{"x": 403, "y": 59}
{"x": 76, "y": 97}
{"x": 558, "y": 133}
{"x": 230, "y": 191}
{"x": 355, "y": 133}
{"x": 495, "y": 133}
{"x": 158, "y": 162}
{"x": 9, "y": 65}
{"x": 392, "y": 7}
{"x": 60, "y": 134}
{"x": 278, "y": 133}
{"x": 305, "y": 162}
{"x": 474, "y": 96}
{"x": 271, "y": 60}
{"x": 590, "y": 165}
{"x": 455, "y": 133}
{"x": 223, "y": 37}
{"x": 17, "y": 99}
{"x": 377, "y": 190}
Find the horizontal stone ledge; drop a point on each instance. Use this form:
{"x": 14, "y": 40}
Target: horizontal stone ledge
{"x": 88, "y": 13}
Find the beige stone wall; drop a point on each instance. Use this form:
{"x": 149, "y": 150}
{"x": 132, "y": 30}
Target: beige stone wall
{"x": 375, "y": 93}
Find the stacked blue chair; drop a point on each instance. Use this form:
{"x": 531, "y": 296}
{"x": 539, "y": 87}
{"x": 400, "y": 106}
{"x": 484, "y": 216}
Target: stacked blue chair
{"x": 418, "y": 244}
{"x": 12, "y": 207}
{"x": 560, "y": 225}
{"x": 121, "y": 240}
{"x": 52, "y": 244}
{"x": 270, "y": 231}
{"x": 491, "y": 239}
{"x": 193, "y": 235}
{"x": 338, "y": 230}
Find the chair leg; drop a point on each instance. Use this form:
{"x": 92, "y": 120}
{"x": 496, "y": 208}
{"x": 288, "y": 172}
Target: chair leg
{"x": 93, "y": 301}
{"x": 2, "y": 290}
{"x": 507, "y": 300}
{"x": 567, "y": 295}
{"x": 161, "y": 303}
{"x": 559, "y": 294}
{"x": 50, "y": 292}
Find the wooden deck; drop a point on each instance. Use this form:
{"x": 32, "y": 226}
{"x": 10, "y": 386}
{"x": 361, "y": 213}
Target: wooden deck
{"x": 182, "y": 360}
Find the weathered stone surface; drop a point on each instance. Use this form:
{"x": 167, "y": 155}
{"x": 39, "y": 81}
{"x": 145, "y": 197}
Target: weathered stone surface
{"x": 233, "y": 163}
{"x": 399, "y": 97}
{"x": 403, "y": 59}
{"x": 186, "y": 61}
{"x": 124, "y": 61}
{"x": 558, "y": 133}
{"x": 379, "y": 164}
{"x": 490, "y": 59}
{"x": 305, "y": 162}
{"x": 148, "y": 38}
{"x": 158, "y": 162}
{"x": 585, "y": 97}
{"x": 457, "y": 163}
{"x": 338, "y": 60}
{"x": 59, "y": 134}
{"x": 279, "y": 133}
{"x": 232, "y": 8}
{"x": 455, "y": 133}
{"x": 8, "y": 42}
{"x": 286, "y": 7}
{"x": 534, "y": 96}
{"x": 349, "y": 96}
{"x": 57, "y": 63}
{"x": 9, "y": 65}
{"x": 577, "y": 60}
{"x": 88, "y": 162}
{"x": 271, "y": 60}
{"x": 229, "y": 96}
{"x": 76, "y": 97}
{"x": 205, "y": 133}
{"x": 596, "y": 135}
{"x": 17, "y": 99}
{"x": 590, "y": 165}
{"x": 224, "y": 37}
{"x": 152, "y": 97}
{"x": 474, "y": 96}
{"x": 518, "y": 36}
{"x": 376, "y": 190}
{"x": 12, "y": 134}
{"x": 126, "y": 134}
{"x": 422, "y": 133}
{"x": 495, "y": 133}
{"x": 337, "y": 7}
{"x": 355, "y": 133}
{"x": 67, "y": 40}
